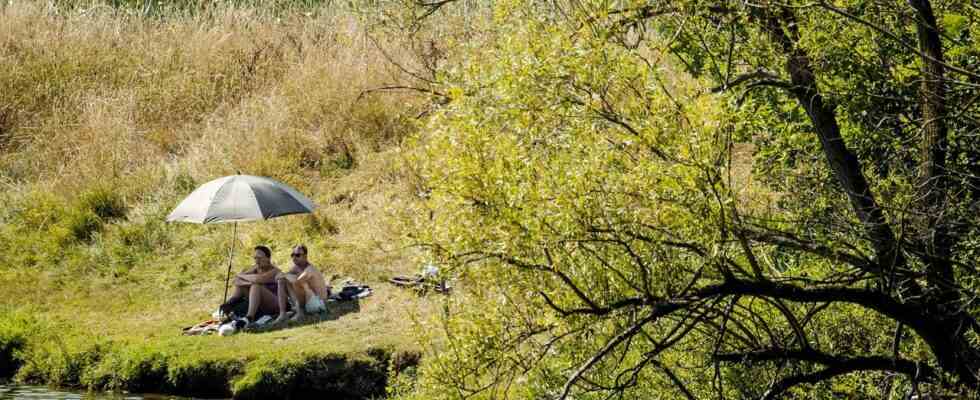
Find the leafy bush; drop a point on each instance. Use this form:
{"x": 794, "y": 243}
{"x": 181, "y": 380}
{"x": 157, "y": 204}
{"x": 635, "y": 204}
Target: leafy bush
{"x": 13, "y": 333}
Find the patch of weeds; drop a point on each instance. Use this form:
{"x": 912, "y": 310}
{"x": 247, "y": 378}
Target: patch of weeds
{"x": 184, "y": 183}
{"x": 348, "y": 376}
{"x": 39, "y": 209}
{"x": 204, "y": 378}
{"x": 105, "y": 203}
{"x": 343, "y": 198}
{"x": 340, "y": 156}
{"x": 53, "y": 359}
{"x": 320, "y": 224}
{"x": 83, "y": 224}
{"x": 6, "y": 126}
{"x": 344, "y": 159}
{"x": 13, "y": 337}
{"x": 403, "y": 373}
{"x": 146, "y": 237}
{"x": 93, "y": 209}
{"x": 135, "y": 369}
{"x": 310, "y": 158}
{"x": 301, "y": 150}
{"x": 43, "y": 231}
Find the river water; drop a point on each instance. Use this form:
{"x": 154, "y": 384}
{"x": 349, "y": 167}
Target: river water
{"x": 27, "y": 392}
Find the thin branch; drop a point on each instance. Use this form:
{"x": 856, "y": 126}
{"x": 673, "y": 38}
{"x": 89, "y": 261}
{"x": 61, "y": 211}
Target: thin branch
{"x": 865, "y": 363}
{"x": 760, "y": 75}
{"x": 788, "y": 240}
{"x": 633, "y": 330}
{"x": 894, "y": 37}
{"x": 399, "y": 87}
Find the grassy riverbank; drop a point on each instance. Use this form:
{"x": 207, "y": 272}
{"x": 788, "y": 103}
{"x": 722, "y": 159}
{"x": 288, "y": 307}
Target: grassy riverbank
{"x": 108, "y": 117}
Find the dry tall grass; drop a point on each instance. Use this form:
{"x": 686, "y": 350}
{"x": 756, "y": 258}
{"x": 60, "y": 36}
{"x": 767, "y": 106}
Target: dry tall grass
{"x": 91, "y": 94}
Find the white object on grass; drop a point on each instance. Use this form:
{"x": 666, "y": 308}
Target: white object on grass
{"x": 314, "y": 304}
{"x": 227, "y": 329}
{"x": 430, "y": 271}
{"x": 264, "y": 320}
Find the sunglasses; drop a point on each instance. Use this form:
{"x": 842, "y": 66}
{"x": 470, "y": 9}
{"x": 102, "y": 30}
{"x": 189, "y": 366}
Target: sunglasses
{"x": 298, "y": 254}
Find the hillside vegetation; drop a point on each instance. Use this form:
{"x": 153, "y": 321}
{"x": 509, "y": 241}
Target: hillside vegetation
{"x": 634, "y": 199}
{"x": 693, "y": 200}
{"x": 109, "y": 116}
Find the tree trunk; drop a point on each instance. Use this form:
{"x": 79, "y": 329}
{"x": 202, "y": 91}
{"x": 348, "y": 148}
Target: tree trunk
{"x": 933, "y": 149}
{"x": 940, "y": 324}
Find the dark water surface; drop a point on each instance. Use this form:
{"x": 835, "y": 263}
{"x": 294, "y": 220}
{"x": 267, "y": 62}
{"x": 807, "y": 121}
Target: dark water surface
{"x": 27, "y": 392}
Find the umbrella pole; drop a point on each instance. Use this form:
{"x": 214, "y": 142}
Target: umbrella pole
{"x": 231, "y": 256}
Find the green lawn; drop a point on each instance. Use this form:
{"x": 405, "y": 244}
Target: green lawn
{"x": 114, "y": 326}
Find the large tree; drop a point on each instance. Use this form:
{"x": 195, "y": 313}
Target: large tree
{"x": 733, "y": 199}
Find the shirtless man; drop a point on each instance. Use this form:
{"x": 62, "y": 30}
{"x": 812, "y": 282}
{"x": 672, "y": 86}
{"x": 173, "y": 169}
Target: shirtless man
{"x": 258, "y": 285}
{"x": 304, "y": 284}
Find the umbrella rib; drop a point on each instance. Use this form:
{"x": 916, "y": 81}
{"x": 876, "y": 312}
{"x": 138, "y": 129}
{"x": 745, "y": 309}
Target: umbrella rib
{"x": 223, "y": 189}
{"x": 258, "y": 204}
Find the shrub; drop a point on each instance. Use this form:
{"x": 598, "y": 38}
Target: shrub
{"x": 184, "y": 182}
{"x": 106, "y": 203}
{"x": 83, "y": 224}
{"x": 12, "y": 339}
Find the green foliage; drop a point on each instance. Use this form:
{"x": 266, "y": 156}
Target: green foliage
{"x": 36, "y": 230}
{"x": 345, "y": 376}
{"x": 53, "y": 353}
{"x": 603, "y": 172}
{"x": 516, "y": 174}
{"x": 14, "y": 330}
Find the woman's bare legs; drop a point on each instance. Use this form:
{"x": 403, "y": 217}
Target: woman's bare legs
{"x": 261, "y": 299}
{"x": 238, "y": 292}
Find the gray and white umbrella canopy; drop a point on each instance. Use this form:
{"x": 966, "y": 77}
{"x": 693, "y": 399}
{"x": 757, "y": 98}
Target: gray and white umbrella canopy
{"x": 240, "y": 198}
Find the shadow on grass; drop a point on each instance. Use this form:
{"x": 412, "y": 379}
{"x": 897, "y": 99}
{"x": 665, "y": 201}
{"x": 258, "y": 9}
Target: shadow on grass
{"x": 335, "y": 310}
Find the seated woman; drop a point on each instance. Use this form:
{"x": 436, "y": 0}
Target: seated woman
{"x": 304, "y": 284}
{"x": 258, "y": 285}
